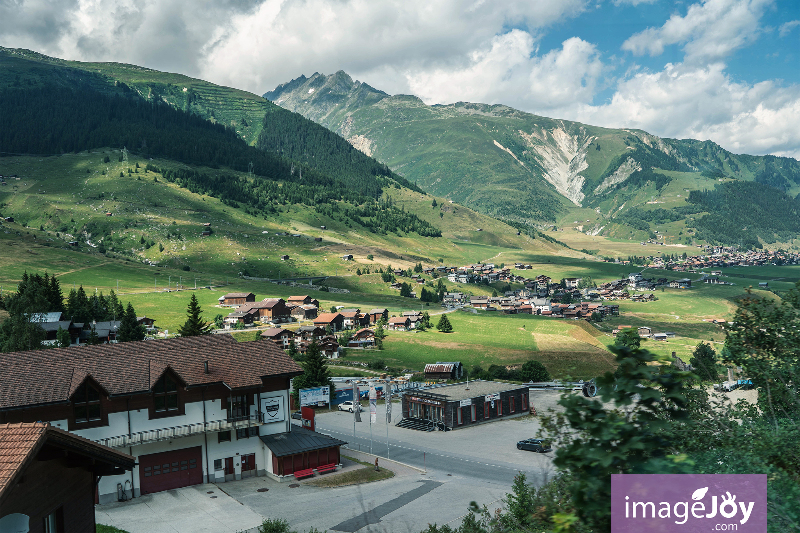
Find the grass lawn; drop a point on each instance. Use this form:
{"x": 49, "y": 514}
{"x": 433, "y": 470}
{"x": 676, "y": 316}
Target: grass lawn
{"x": 353, "y": 477}
{"x": 566, "y": 348}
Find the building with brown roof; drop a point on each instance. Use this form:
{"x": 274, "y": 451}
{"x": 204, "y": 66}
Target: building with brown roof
{"x": 190, "y": 410}
{"x": 267, "y": 310}
{"x": 302, "y": 300}
{"x": 280, "y": 336}
{"x": 234, "y": 299}
{"x": 48, "y": 477}
{"x": 334, "y": 320}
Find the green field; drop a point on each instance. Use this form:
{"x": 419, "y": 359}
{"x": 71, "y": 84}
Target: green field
{"x": 566, "y": 348}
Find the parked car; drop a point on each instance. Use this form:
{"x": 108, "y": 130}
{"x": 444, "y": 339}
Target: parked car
{"x": 348, "y": 406}
{"x": 296, "y": 415}
{"x": 534, "y": 445}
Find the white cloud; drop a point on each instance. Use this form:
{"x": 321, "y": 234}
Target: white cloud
{"x": 709, "y": 31}
{"x": 704, "y": 103}
{"x": 377, "y": 41}
{"x": 787, "y": 27}
{"x": 507, "y": 72}
{"x": 633, "y": 2}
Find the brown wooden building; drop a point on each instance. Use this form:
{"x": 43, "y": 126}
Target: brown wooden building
{"x": 50, "y": 476}
{"x": 237, "y": 298}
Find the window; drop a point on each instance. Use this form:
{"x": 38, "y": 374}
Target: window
{"x": 54, "y": 522}
{"x": 238, "y": 408}
{"x": 474, "y": 409}
{"x": 86, "y": 403}
{"x": 217, "y": 464}
{"x": 245, "y": 433}
{"x": 165, "y": 395}
{"x": 486, "y": 410}
{"x": 499, "y": 407}
{"x": 511, "y": 404}
{"x": 224, "y": 436}
{"x": 458, "y": 416}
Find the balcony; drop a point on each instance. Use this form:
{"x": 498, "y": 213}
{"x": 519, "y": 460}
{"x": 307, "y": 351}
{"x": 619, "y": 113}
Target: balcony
{"x": 188, "y": 430}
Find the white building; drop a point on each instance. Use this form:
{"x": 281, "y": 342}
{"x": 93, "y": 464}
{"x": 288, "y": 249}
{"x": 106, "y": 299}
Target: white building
{"x": 190, "y": 410}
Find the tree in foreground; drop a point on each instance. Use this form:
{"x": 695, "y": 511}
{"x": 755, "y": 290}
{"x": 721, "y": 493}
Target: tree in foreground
{"x": 129, "y": 327}
{"x": 194, "y": 325}
{"x": 444, "y": 324}
{"x": 704, "y": 362}
{"x": 594, "y": 441}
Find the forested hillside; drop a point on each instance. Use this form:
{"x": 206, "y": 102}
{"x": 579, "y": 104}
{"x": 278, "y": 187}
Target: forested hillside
{"x": 296, "y": 160}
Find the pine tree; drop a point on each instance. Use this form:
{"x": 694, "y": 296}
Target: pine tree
{"x": 63, "y": 338}
{"x": 704, "y": 362}
{"x": 129, "y": 327}
{"x": 194, "y": 325}
{"x": 444, "y": 324}
{"x": 315, "y": 372}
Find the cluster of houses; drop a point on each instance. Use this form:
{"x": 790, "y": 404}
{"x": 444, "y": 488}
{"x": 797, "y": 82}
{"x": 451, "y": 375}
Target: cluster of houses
{"x": 275, "y": 310}
{"x": 519, "y": 302}
{"x": 323, "y": 327}
{"x": 80, "y": 332}
{"x": 723, "y": 256}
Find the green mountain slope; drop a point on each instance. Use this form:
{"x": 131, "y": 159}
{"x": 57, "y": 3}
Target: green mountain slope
{"x": 520, "y": 166}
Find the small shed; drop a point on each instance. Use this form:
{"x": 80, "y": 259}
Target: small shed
{"x": 441, "y": 370}
{"x": 284, "y": 258}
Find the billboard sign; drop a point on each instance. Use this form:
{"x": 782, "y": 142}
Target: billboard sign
{"x": 315, "y": 396}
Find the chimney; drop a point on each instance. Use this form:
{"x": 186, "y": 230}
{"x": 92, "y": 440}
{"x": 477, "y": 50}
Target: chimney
{"x": 205, "y": 366}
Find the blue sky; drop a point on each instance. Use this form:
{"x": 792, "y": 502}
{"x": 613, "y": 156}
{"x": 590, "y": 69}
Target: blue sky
{"x": 722, "y": 70}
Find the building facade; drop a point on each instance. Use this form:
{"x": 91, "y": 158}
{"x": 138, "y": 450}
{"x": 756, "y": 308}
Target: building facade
{"x": 189, "y": 410}
{"x": 463, "y": 404}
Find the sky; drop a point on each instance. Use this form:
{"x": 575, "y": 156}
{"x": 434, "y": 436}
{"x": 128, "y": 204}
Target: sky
{"x": 723, "y": 70}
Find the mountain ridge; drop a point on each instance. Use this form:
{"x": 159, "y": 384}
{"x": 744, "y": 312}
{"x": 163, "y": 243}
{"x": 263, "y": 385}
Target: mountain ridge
{"x": 519, "y": 166}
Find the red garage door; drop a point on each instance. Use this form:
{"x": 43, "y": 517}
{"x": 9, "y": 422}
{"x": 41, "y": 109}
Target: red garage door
{"x": 170, "y": 470}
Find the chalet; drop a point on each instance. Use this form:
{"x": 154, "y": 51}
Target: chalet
{"x": 763, "y": 285}
{"x": 310, "y": 334}
{"x": 463, "y": 404}
{"x": 304, "y": 312}
{"x": 571, "y": 283}
{"x": 684, "y": 283}
{"x": 399, "y": 323}
{"x": 280, "y": 336}
{"x": 479, "y": 303}
{"x": 444, "y": 371}
{"x": 235, "y": 299}
{"x": 333, "y": 320}
{"x": 106, "y": 331}
{"x": 644, "y": 331}
{"x": 147, "y": 322}
{"x": 347, "y": 257}
{"x": 267, "y": 310}
{"x": 363, "y": 338}
{"x": 302, "y": 300}
{"x": 202, "y": 403}
{"x": 329, "y": 347}
{"x": 377, "y": 314}
{"x": 353, "y": 318}
{"x": 48, "y": 477}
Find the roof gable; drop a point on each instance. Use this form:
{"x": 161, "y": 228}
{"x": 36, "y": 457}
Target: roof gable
{"x": 52, "y": 376}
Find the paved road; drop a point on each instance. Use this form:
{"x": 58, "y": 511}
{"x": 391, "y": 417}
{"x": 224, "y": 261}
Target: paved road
{"x": 486, "y": 452}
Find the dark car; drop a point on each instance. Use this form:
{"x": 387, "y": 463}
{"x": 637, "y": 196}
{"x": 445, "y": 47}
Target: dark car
{"x": 534, "y": 445}
{"x": 296, "y": 415}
